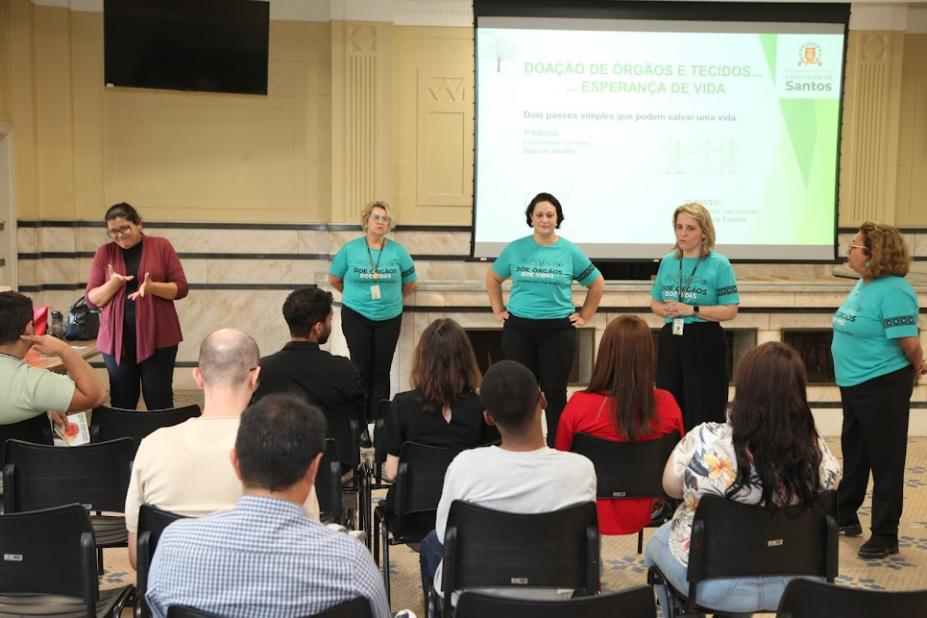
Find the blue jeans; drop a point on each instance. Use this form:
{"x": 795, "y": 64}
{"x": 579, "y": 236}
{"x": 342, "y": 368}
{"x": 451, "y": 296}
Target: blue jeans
{"x": 729, "y": 594}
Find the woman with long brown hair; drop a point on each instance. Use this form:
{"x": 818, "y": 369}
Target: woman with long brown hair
{"x": 621, "y": 404}
{"x": 768, "y": 454}
{"x": 443, "y": 408}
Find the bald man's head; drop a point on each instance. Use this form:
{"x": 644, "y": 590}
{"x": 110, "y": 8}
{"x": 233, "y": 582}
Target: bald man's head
{"x": 227, "y": 356}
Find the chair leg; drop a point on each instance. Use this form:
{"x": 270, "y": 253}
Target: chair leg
{"x": 385, "y": 541}
{"x": 640, "y": 541}
{"x": 100, "y": 561}
{"x": 375, "y": 539}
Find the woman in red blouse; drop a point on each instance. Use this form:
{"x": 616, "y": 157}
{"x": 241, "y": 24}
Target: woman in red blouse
{"x": 134, "y": 280}
{"x": 621, "y": 404}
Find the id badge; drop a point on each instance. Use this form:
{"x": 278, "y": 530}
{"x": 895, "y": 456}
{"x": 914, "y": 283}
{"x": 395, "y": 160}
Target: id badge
{"x": 678, "y": 325}
{"x": 375, "y": 292}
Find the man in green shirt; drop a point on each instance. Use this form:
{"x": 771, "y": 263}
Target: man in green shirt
{"x": 31, "y": 391}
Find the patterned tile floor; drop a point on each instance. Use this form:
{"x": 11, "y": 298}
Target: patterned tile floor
{"x": 624, "y": 568}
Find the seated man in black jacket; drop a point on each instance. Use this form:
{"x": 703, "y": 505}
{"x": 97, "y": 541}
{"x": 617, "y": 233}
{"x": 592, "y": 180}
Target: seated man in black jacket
{"x": 301, "y": 367}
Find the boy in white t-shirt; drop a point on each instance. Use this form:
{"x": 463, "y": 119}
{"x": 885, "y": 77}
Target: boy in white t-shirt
{"x": 522, "y": 475}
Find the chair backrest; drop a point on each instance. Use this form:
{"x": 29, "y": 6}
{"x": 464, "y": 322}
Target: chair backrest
{"x": 111, "y": 423}
{"x": 358, "y": 607}
{"x": 485, "y": 548}
{"x": 38, "y": 477}
{"x": 627, "y": 469}
{"x": 730, "y": 539}
{"x": 36, "y": 430}
{"x": 328, "y": 483}
{"x": 49, "y": 551}
{"x": 804, "y": 598}
{"x": 151, "y": 523}
{"x": 344, "y": 427}
{"x": 631, "y": 603}
{"x": 417, "y": 490}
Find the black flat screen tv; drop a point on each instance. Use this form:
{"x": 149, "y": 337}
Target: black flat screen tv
{"x": 200, "y": 45}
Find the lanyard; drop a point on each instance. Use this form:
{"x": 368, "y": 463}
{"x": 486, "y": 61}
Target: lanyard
{"x": 680, "y": 291}
{"x": 374, "y": 268}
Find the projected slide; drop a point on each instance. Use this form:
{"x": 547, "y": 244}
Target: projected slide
{"x": 625, "y": 120}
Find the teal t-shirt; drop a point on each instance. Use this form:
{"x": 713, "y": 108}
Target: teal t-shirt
{"x": 705, "y": 281}
{"x": 542, "y": 277}
{"x": 866, "y": 327}
{"x": 355, "y": 266}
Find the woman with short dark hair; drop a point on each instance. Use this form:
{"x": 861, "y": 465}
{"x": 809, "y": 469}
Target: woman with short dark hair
{"x": 540, "y": 319}
{"x": 768, "y": 453}
{"x": 134, "y": 281}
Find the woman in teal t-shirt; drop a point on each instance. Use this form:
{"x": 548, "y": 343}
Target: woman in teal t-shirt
{"x": 373, "y": 275}
{"x": 540, "y": 318}
{"x": 877, "y": 360}
{"x": 695, "y": 290}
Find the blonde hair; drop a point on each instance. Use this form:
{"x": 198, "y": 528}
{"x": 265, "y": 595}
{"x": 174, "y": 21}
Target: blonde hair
{"x": 887, "y": 250}
{"x": 365, "y": 214}
{"x": 703, "y": 218}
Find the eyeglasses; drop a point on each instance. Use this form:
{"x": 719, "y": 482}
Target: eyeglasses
{"x": 118, "y": 231}
{"x": 379, "y": 218}
{"x": 851, "y": 246}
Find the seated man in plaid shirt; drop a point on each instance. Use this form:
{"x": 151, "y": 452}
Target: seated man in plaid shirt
{"x": 265, "y": 557}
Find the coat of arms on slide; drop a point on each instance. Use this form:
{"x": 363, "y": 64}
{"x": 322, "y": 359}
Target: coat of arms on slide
{"x": 810, "y": 54}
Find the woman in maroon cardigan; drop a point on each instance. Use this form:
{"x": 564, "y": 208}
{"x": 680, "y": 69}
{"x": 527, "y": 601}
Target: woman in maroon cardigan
{"x": 135, "y": 280}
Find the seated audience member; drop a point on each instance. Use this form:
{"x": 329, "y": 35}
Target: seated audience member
{"x": 265, "y": 557}
{"x": 330, "y": 382}
{"x": 768, "y": 452}
{"x": 444, "y": 408}
{"x": 622, "y": 405}
{"x": 29, "y": 391}
{"x": 185, "y": 468}
{"x": 523, "y": 475}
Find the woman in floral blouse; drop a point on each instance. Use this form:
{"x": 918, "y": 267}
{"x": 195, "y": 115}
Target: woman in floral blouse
{"x": 768, "y": 451}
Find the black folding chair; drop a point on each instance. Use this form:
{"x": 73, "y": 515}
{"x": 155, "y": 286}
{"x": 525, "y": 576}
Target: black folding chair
{"x": 358, "y": 607}
{"x": 328, "y": 485}
{"x": 344, "y": 429}
{"x": 95, "y": 475}
{"x": 375, "y": 478}
{"x": 805, "y": 598}
{"x": 48, "y": 566}
{"x": 110, "y": 423}
{"x": 730, "y": 539}
{"x": 413, "y": 501}
{"x": 484, "y": 548}
{"x": 631, "y": 603}
{"x": 628, "y": 469}
{"x": 151, "y": 523}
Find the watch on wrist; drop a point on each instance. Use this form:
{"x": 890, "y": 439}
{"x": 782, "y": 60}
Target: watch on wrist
{"x": 695, "y": 309}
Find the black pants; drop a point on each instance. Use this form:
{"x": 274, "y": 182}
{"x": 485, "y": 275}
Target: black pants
{"x": 372, "y": 344}
{"x": 875, "y": 436}
{"x": 546, "y": 348}
{"x": 693, "y": 367}
{"x": 153, "y": 377}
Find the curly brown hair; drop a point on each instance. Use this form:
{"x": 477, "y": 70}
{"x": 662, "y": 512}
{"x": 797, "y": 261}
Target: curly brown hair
{"x": 886, "y": 249}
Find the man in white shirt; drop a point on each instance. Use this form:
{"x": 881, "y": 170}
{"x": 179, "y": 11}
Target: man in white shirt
{"x": 185, "y": 469}
{"x": 522, "y": 475}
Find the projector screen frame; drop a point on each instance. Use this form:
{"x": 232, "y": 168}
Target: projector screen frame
{"x": 819, "y": 13}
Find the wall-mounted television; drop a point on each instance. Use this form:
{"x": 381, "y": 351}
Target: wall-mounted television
{"x": 199, "y": 45}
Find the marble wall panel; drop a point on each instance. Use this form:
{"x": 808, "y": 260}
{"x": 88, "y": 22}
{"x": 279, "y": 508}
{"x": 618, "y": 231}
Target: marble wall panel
{"x": 435, "y": 243}
{"x": 313, "y": 241}
{"x": 58, "y": 270}
{"x": 27, "y": 239}
{"x": 57, "y": 238}
{"x": 296, "y": 272}
{"x": 229, "y": 241}
{"x": 786, "y": 321}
